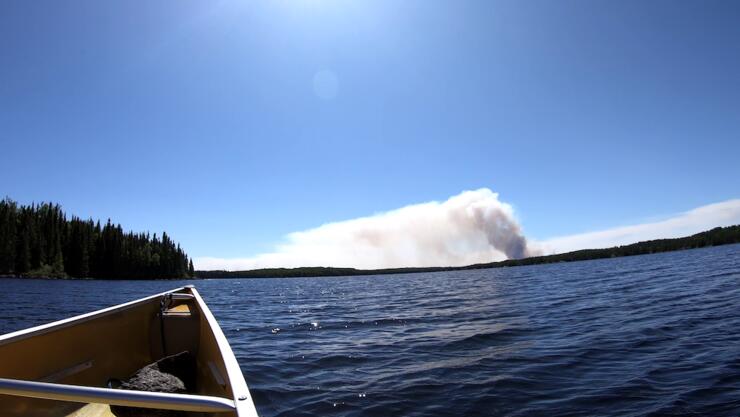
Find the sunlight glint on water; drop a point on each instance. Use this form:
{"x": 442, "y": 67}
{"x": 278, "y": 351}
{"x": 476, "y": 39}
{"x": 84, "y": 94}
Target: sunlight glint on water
{"x": 642, "y": 335}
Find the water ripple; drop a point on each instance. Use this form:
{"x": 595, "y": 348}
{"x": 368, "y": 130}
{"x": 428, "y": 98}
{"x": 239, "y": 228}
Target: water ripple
{"x": 648, "y": 335}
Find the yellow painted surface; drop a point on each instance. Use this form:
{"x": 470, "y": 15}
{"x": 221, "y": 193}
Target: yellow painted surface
{"x": 114, "y": 344}
{"x": 181, "y": 309}
{"x": 93, "y": 410}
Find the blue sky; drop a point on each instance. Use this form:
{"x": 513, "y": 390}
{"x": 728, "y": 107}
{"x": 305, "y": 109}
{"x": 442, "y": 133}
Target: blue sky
{"x": 203, "y": 118}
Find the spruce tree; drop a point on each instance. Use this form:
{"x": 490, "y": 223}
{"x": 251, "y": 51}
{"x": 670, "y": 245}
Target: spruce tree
{"x": 38, "y": 239}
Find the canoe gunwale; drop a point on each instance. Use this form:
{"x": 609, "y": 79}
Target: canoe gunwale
{"x": 127, "y": 398}
{"x": 71, "y": 321}
{"x": 240, "y": 404}
{"x": 242, "y": 396}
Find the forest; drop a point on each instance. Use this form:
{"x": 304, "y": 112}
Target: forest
{"x": 38, "y": 240}
{"x": 714, "y": 237}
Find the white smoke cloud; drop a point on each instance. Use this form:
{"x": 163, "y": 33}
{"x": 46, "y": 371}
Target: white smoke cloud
{"x": 726, "y": 213}
{"x": 471, "y": 227}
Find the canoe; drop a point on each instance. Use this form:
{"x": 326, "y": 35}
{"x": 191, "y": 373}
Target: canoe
{"x": 71, "y": 367}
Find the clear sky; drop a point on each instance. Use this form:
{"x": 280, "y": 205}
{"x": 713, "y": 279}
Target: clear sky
{"x": 230, "y": 124}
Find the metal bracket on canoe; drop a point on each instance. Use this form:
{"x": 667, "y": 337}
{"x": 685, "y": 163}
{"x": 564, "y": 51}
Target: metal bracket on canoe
{"x": 182, "y": 296}
{"x": 166, "y": 301}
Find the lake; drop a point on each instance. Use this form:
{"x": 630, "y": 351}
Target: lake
{"x": 646, "y": 335}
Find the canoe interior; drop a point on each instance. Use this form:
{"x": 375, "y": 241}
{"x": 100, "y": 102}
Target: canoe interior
{"x": 113, "y": 343}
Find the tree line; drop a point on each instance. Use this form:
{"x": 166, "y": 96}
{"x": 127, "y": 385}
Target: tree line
{"x": 714, "y": 237}
{"x": 38, "y": 240}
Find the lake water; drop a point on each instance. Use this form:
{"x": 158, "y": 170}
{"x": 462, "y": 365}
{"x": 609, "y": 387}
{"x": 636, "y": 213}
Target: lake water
{"x": 646, "y": 335}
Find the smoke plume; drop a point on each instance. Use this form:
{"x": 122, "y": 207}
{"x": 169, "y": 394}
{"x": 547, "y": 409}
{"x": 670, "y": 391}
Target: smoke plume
{"x": 472, "y": 227}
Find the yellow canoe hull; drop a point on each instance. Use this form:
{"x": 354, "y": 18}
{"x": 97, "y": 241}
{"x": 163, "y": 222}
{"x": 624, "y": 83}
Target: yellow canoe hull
{"x": 113, "y": 343}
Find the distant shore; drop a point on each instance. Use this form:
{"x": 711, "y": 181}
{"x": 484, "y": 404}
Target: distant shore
{"x": 714, "y": 237}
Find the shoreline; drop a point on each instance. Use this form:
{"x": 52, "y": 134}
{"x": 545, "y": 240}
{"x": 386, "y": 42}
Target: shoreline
{"x": 719, "y": 236}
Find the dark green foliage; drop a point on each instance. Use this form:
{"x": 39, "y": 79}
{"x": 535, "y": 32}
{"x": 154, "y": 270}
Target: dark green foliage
{"x": 318, "y": 271}
{"x": 38, "y": 240}
{"x": 8, "y": 236}
{"x": 714, "y": 237}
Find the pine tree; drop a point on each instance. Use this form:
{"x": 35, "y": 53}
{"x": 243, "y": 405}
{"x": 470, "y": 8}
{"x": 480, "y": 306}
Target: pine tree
{"x": 23, "y": 251}
{"x": 8, "y": 233}
{"x": 38, "y": 239}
